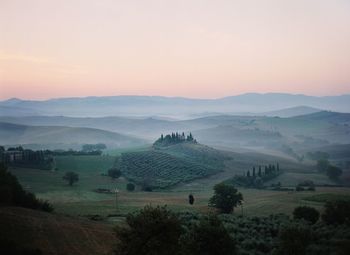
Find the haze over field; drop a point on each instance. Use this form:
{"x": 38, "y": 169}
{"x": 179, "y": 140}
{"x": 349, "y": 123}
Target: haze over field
{"x": 175, "y": 127}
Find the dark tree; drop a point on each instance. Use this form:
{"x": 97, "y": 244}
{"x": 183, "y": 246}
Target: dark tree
{"x": 307, "y": 213}
{"x": 253, "y": 171}
{"x": 13, "y": 194}
{"x": 152, "y": 231}
{"x": 209, "y": 237}
{"x": 114, "y": 173}
{"x": 71, "y": 177}
{"x": 337, "y": 212}
{"x": 225, "y": 198}
{"x": 259, "y": 172}
{"x": 248, "y": 173}
{"x": 190, "y": 199}
{"x": 334, "y": 172}
{"x": 322, "y": 165}
{"x": 130, "y": 186}
{"x": 294, "y": 240}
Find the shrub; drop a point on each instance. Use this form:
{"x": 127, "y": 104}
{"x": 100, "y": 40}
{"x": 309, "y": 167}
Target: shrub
{"x": 153, "y": 231}
{"x": 208, "y": 237}
{"x": 337, "y": 212}
{"x": 114, "y": 173}
{"x": 71, "y": 177}
{"x": 294, "y": 239}
{"x": 307, "y": 213}
{"x": 130, "y": 186}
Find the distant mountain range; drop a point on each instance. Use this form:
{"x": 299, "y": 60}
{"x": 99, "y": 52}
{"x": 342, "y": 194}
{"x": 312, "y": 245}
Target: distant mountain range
{"x": 253, "y": 103}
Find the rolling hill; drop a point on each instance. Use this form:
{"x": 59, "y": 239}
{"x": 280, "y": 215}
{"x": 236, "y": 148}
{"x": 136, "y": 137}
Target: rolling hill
{"x": 62, "y": 137}
{"x": 171, "y": 165}
{"x": 27, "y": 230}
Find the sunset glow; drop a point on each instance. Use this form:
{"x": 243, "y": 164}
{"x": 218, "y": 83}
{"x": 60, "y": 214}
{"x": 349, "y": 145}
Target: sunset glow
{"x": 191, "y": 48}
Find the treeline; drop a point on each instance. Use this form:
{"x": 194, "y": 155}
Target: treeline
{"x": 17, "y": 156}
{"x": 12, "y": 193}
{"x": 257, "y": 176}
{"x": 174, "y": 138}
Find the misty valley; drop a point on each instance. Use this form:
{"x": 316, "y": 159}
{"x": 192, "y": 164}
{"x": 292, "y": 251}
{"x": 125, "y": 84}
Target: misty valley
{"x": 272, "y": 182}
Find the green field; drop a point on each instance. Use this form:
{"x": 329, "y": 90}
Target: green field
{"x": 80, "y": 199}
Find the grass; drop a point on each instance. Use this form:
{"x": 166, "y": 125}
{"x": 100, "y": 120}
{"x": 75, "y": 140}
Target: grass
{"x": 80, "y": 199}
{"x": 325, "y": 197}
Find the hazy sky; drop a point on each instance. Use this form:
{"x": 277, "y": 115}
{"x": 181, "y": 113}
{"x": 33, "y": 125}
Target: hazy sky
{"x": 192, "y": 48}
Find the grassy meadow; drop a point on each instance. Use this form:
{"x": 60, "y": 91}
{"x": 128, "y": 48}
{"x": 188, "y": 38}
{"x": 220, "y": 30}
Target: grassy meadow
{"x": 81, "y": 199}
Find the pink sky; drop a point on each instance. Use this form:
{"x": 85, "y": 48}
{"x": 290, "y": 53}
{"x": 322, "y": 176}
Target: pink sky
{"x": 192, "y": 48}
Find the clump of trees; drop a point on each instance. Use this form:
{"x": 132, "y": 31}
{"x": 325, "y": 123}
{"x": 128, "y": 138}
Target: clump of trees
{"x": 71, "y": 177}
{"x": 94, "y": 147}
{"x": 307, "y": 213}
{"x": 18, "y": 156}
{"x": 225, "y": 198}
{"x": 257, "y": 176}
{"x": 337, "y": 212}
{"x": 114, "y": 173}
{"x": 150, "y": 231}
{"x": 130, "y": 186}
{"x": 209, "y": 236}
{"x": 158, "y": 231}
{"x": 333, "y": 172}
{"x": 12, "y": 193}
{"x": 174, "y": 138}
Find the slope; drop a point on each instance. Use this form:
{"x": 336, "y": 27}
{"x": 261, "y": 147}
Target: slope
{"x": 53, "y": 234}
{"x": 12, "y": 134}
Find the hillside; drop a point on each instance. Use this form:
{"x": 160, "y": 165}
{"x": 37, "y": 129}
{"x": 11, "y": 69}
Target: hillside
{"x": 62, "y": 137}
{"x": 53, "y": 234}
{"x": 332, "y": 117}
{"x": 293, "y": 111}
{"x": 167, "y": 166}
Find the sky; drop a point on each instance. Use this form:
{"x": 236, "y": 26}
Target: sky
{"x": 190, "y": 48}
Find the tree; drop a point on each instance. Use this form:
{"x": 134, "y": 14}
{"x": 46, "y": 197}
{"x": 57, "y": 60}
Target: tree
{"x": 152, "y": 231}
{"x": 71, "y": 177}
{"x": 190, "y": 199}
{"x": 307, "y": 213}
{"x": 253, "y": 171}
{"x": 13, "y": 194}
{"x": 294, "y": 239}
{"x": 225, "y": 198}
{"x": 248, "y": 173}
{"x": 334, "y": 172}
{"x": 337, "y": 212}
{"x": 322, "y": 165}
{"x": 209, "y": 237}
{"x": 114, "y": 173}
{"x": 259, "y": 172}
{"x": 130, "y": 186}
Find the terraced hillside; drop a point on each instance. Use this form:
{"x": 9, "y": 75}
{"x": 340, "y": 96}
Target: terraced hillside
{"x": 161, "y": 168}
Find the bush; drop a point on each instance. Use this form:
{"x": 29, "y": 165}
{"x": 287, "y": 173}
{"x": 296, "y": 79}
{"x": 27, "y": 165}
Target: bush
{"x": 208, "y": 237}
{"x": 130, "y": 186}
{"x": 71, "y": 177}
{"x": 337, "y": 212}
{"x": 307, "y": 213}
{"x": 114, "y": 173}
{"x": 153, "y": 231}
{"x": 294, "y": 240}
